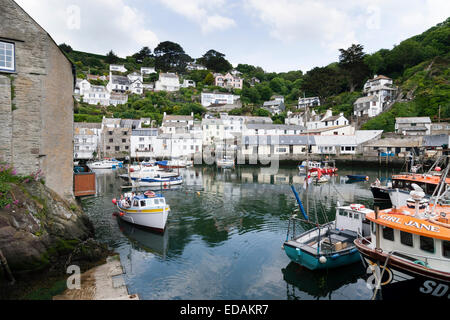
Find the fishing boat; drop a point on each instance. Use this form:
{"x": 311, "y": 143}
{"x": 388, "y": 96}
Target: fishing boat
{"x": 226, "y": 162}
{"x": 314, "y": 167}
{"x": 147, "y": 210}
{"x": 148, "y": 172}
{"x": 357, "y": 177}
{"x": 106, "y": 164}
{"x": 310, "y": 165}
{"x": 397, "y": 190}
{"x": 157, "y": 182}
{"x": 330, "y": 245}
{"x": 411, "y": 244}
{"x": 175, "y": 164}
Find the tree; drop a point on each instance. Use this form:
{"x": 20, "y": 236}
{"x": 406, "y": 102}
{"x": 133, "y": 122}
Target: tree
{"x": 66, "y": 48}
{"x": 352, "y": 62}
{"x": 323, "y": 82}
{"x": 214, "y": 60}
{"x": 145, "y": 52}
{"x": 111, "y": 57}
{"x": 209, "y": 79}
{"x": 170, "y": 56}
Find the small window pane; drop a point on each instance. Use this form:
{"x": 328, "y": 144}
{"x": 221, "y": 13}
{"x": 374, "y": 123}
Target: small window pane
{"x": 427, "y": 244}
{"x": 406, "y": 238}
{"x": 446, "y": 249}
{"x": 388, "y": 233}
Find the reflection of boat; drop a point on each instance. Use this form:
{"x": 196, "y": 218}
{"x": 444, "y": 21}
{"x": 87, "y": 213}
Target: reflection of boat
{"x": 153, "y": 242}
{"x": 320, "y": 283}
{"x": 329, "y": 245}
{"x": 148, "y": 210}
{"x": 412, "y": 242}
{"x": 226, "y": 162}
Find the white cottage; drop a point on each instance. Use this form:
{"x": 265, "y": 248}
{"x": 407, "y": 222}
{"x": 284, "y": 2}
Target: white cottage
{"x": 167, "y": 82}
{"x": 379, "y": 93}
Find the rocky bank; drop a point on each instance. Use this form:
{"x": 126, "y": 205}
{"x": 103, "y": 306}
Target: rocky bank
{"x": 42, "y": 234}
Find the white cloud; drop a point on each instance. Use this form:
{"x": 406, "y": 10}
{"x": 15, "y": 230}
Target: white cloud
{"x": 202, "y": 12}
{"x": 293, "y": 21}
{"x": 103, "y": 24}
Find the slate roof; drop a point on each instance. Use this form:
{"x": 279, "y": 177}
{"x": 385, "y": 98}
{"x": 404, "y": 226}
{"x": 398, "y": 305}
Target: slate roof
{"x": 436, "y": 140}
{"x": 413, "y": 120}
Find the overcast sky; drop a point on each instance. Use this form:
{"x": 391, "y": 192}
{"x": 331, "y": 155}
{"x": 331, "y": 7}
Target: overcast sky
{"x": 278, "y": 35}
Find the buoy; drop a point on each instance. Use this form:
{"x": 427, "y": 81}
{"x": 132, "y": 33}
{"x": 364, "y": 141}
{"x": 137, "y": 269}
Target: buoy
{"x": 322, "y": 260}
{"x": 438, "y": 169}
{"x": 198, "y": 193}
{"x": 114, "y": 201}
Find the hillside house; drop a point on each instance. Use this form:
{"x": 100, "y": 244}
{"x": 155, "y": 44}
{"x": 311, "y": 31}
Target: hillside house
{"x": 167, "y": 82}
{"x": 379, "y": 93}
{"x": 304, "y": 103}
{"x": 147, "y": 71}
{"x": 228, "y": 81}
{"x": 274, "y": 107}
{"x": 218, "y": 98}
{"x": 413, "y": 126}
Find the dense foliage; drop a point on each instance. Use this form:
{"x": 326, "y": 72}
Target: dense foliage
{"x": 419, "y": 66}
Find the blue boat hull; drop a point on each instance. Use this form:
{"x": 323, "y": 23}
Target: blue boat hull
{"x": 312, "y": 262}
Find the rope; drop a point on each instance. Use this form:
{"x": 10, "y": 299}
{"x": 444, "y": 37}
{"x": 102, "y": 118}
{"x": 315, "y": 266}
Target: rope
{"x": 381, "y": 276}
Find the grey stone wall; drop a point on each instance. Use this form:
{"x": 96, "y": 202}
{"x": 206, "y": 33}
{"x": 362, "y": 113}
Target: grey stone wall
{"x": 42, "y": 123}
{"x": 5, "y": 119}
{"x": 120, "y": 139}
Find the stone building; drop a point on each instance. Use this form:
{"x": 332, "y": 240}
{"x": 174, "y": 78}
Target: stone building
{"x": 115, "y": 137}
{"x": 36, "y": 100}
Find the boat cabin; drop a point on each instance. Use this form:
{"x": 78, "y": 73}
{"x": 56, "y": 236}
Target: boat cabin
{"x": 137, "y": 202}
{"x": 353, "y": 218}
{"x": 413, "y": 239}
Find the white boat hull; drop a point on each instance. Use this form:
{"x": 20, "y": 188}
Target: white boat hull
{"x": 139, "y": 184}
{"x": 154, "y": 220}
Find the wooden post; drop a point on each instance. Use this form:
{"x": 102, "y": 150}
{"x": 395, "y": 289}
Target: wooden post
{"x": 377, "y": 229}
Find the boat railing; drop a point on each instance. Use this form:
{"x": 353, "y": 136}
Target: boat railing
{"x": 426, "y": 258}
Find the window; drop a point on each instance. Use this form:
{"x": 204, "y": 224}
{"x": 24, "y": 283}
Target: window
{"x": 373, "y": 227}
{"x": 446, "y": 249}
{"x": 111, "y": 140}
{"x": 388, "y": 233}
{"x": 125, "y": 133}
{"x": 124, "y": 140}
{"x": 142, "y": 203}
{"x": 406, "y": 238}
{"x": 126, "y": 147}
{"x": 117, "y": 148}
{"x": 356, "y": 216}
{"x": 141, "y": 139}
{"x": 427, "y": 244}
{"x": 7, "y": 56}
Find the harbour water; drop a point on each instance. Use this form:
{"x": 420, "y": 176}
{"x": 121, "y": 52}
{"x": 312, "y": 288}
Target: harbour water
{"x": 224, "y": 236}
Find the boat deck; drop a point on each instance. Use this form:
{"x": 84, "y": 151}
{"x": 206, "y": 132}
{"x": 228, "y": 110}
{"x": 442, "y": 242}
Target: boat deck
{"x": 331, "y": 241}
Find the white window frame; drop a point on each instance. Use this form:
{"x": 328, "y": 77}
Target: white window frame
{"x": 13, "y": 57}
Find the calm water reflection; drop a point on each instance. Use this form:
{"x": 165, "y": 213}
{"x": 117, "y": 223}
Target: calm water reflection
{"x": 224, "y": 236}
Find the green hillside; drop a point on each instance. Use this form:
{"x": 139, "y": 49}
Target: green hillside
{"x": 419, "y": 66}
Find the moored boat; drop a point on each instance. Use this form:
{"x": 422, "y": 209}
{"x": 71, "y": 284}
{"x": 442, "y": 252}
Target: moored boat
{"x": 329, "y": 245}
{"x": 411, "y": 244}
{"x": 157, "y": 182}
{"x": 175, "y": 164}
{"x": 226, "y": 162}
{"x": 148, "y": 210}
{"x": 106, "y": 164}
{"x": 357, "y": 177}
